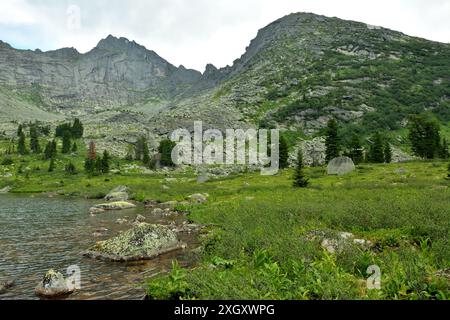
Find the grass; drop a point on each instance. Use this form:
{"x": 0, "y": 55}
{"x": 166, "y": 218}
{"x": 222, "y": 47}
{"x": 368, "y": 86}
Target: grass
{"x": 260, "y": 249}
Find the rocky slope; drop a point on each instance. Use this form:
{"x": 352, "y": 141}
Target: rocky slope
{"x": 298, "y": 72}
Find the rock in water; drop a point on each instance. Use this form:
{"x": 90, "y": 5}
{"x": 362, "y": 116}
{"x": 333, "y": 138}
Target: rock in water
{"x": 118, "y": 194}
{"x": 5, "y": 285}
{"x": 143, "y": 242}
{"x": 118, "y": 205}
{"x": 53, "y": 285}
{"x": 341, "y": 166}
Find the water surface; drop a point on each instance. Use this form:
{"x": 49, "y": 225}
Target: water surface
{"x": 38, "y": 233}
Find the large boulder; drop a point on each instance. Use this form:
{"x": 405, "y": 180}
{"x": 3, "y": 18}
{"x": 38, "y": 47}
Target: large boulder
{"x": 53, "y": 285}
{"x": 118, "y": 194}
{"x": 341, "y": 166}
{"x": 143, "y": 242}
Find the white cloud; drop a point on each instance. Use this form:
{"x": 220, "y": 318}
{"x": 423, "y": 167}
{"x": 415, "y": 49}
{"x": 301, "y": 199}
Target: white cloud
{"x": 196, "y": 32}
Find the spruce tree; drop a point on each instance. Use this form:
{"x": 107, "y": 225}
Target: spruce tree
{"x": 332, "y": 142}
{"x": 21, "y": 147}
{"x": 376, "y": 153}
{"x": 74, "y": 147}
{"x": 145, "y": 153}
{"x": 48, "y": 150}
{"x": 89, "y": 166}
{"x": 34, "y": 140}
{"x": 77, "y": 129}
{"x": 283, "y": 153}
{"x": 424, "y": 136}
{"x": 300, "y": 179}
{"x": 66, "y": 143}
{"x": 387, "y": 152}
{"x": 105, "y": 162}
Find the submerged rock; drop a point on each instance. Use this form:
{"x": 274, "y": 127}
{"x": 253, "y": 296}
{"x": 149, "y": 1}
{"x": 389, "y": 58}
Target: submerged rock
{"x": 5, "y": 285}
{"x": 53, "y": 285}
{"x": 143, "y": 242}
{"x": 118, "y": 205}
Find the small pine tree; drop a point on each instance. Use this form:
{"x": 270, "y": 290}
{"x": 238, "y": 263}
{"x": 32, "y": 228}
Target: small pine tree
{"x": 21, "y": 147}
{"x": 77, "y": 129}
{"x": 92, "y": 154}
{"x": 300, "y": 179}
{"x": 332, "y": 142}
{"x": 66, "y": 143}
{"x": 34, "y": 140}
{"x": 387, "y": 153}
{"x": 283, "y": 153}
{"x": 105, "y": 162}
{"x": 52, "y": 165}
{"x": 376, "y": 152}
{"x": 74, "y": 147}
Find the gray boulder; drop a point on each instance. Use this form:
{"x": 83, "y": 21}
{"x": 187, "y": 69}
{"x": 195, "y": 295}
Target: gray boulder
{"x": 53, "y": 285}
{"x": 5, "y": 189}
{"x": 143, "y": 242}
{"x": 341, "y": 166}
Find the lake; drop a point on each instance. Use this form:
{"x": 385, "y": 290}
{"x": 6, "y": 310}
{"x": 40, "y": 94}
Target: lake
{"x": 38, "y": 233}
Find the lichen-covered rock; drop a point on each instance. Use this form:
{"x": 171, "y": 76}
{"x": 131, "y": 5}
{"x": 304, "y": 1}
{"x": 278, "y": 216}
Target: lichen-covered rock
{"x": 336, "y": 242}
{"x": 143, "y": 242}
{"x": 53, "y": 285}
{"x": 341, "y": 166}
{"x": 118, "y": 205}
{"x": 94, "y": 210}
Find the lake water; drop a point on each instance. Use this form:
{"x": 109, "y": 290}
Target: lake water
{"x": 38, "y": 233}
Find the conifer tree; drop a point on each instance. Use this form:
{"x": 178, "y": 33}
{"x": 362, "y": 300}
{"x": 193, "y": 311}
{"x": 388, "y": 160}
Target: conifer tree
{"x": 21, "y": 147}
{"x": 165, "y": 150}
{"x": 74, "y": 147}
{"x": 34, "y": 140}
{"x": 66, "y": 143}
{"x": 376, "y": 152}
{"x": 283, "y": 153}
{"x": 300, "y": 179}
{"x": 332, "y": 142}
{"x": 105, "y": 162}
{"x": 387, "y": 152}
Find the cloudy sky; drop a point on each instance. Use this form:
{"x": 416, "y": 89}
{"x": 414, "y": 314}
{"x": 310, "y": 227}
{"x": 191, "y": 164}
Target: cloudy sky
{"x": 197, "y": 32}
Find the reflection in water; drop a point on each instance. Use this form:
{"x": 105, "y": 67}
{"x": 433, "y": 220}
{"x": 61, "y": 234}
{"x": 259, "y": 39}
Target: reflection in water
{"x": 39, "y": 233}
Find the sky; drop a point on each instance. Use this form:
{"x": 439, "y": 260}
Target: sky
{"x": 194, "y": 33}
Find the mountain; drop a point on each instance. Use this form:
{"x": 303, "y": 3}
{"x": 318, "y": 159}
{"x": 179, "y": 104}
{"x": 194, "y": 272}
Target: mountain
{"x": 298, "y": 72}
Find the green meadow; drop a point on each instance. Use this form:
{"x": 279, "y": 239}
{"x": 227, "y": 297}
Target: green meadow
{"x": 257, "y": 243}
